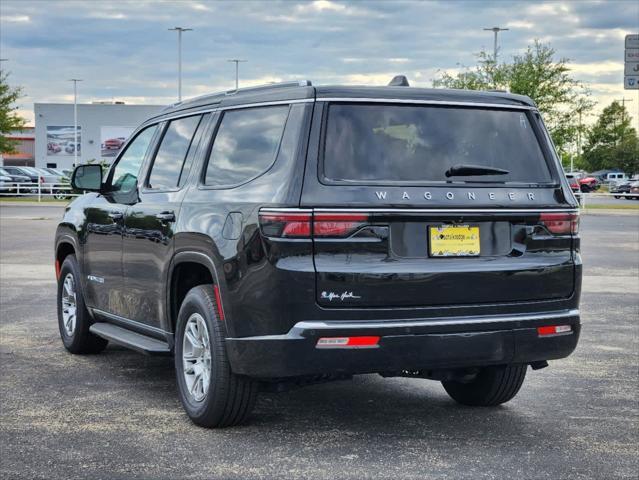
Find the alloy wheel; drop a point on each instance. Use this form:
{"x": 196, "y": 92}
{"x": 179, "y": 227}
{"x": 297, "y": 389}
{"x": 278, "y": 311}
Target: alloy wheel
{"x": 196, "y": 357}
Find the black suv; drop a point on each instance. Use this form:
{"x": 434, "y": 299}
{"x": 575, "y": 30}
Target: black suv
{"x": 291, "y": 234}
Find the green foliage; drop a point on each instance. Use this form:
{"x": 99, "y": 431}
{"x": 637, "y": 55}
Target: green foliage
{"x": 9, "y": 119}
{"x": 612, "y": 142}
{"x": 535, "y": 73}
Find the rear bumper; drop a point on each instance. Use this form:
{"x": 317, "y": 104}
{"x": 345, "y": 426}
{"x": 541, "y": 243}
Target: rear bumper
{"x": 405, "y": 345}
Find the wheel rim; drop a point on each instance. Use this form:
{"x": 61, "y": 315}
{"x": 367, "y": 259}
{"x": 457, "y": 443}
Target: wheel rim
{"x": 196, "y": 357}
{"x": 68, "y": 302}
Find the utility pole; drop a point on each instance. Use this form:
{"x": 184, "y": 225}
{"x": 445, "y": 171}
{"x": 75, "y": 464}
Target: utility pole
{"x": 237, "y": 62}
{"x": 623, "y": 111}
{"x": 495, "y": 30}
{"x": 75, "y": 119}
{"x": 179, "y": 30}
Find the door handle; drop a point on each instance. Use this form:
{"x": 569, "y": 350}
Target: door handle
{"x": 166, "y": 217}
{"x": 115, "y": 215}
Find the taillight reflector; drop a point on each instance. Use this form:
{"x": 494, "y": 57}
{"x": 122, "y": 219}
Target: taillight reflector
{"x": 218, "y": 300}
{"x": 348, "y": 342}
{"x": 560, "y": 223}
{"x": 553, "y": 330}
{"x": 57, "y": 269}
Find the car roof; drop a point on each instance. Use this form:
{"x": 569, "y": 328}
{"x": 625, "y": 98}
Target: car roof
{"x": 304, "y": 91}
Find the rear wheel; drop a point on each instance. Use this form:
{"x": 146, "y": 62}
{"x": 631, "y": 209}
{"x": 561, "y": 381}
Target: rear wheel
{"x": 492, "y": 386}
{"x": 212, "y": 395}
{"x": 73, "y": 317}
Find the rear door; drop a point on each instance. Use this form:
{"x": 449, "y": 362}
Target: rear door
{"x": 149, "y": 222}
{"x": 391, "y": 228}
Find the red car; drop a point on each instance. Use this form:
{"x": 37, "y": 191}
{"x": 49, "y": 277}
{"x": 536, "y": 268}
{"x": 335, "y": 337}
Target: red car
{"x": 580, "y": 182}
{"x": 114, "y": 143}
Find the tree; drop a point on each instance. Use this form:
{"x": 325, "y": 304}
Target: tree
{"x": 612, "y": 142}
{"x": 9, "y": 119}
{"x": 536, "y": 74}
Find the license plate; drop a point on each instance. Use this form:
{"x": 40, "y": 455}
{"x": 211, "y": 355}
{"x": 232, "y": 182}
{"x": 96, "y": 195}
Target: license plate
{"x": 454, "y": 241}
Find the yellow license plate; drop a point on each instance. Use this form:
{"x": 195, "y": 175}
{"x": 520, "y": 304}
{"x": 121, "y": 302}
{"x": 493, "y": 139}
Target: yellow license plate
{"x": 454, "y": 241}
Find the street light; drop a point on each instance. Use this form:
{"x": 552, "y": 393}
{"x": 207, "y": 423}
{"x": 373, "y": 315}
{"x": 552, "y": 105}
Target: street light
{"x": 495, "y": 30}
{"x": 180, "y": 30}
{"x": 75, "y": 119}
{"x": 237, "y": 62}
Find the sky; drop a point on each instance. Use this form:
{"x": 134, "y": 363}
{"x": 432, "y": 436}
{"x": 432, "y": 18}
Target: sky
{"x": 124, "y": 51}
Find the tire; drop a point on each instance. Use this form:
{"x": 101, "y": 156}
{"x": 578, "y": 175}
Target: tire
{"x": 228, "y": 399}
{"x": 74, "y": 332}
{"x": 617, "y": 197}
{"x": 60, "y": 195}
{"x": 492, "y": 386}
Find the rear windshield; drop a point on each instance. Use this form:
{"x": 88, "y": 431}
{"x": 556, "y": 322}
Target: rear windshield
{"x": 418, "y": 144}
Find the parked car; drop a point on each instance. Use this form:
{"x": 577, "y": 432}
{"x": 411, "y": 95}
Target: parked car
{"x": 15, "y": 180}
{"x": 291, "y": 234}
{"x": 580, "y": 182}
{"x": 6, "y": 184}
{"x": 32, "y": 175}
{"x": 634, "y": 191}
{"x": 614, "y": 178}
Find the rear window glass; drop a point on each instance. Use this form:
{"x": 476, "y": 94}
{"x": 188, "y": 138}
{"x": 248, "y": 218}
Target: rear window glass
{"x": 418, "y": 144}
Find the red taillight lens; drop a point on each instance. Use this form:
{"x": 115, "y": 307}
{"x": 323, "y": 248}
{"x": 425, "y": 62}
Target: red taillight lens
{"x": 289, "y": 225}
{"x": 298, "y": 224}
{"x": 348, "y": 342}
{"x": 553, "y": 330}
{"x": 337, "y": 224}
{"x": 41, "y": 179}
{"x": 560, "y": 223}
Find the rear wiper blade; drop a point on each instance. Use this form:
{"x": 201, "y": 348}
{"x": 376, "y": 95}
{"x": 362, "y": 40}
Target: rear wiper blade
{"x": 464, "y": 170}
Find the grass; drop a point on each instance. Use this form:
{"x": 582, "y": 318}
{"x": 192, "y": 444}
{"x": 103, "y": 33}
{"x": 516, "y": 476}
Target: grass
{"x": 33, "y": 199}
{"x": 631, "y": 205}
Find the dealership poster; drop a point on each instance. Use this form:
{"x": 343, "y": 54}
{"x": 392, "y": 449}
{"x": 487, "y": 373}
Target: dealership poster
{"x": 61, "y": 140}
{"x": 112, "y": 139}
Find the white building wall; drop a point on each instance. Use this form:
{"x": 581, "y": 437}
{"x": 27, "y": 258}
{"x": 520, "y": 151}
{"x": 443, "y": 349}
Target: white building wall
{"x": 91, "y": 119}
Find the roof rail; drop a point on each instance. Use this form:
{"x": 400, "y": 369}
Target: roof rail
{"x": 269, "y": 86}
{"x": 257, "y": 88}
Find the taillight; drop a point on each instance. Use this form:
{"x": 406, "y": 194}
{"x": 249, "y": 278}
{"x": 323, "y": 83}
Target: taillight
{"x": 41, "y": 179}
{"x": 286, "y": 224}
{"x": 560, "y": 223}
{"x": 337, "y": 224}
{"x": 304, "y": 224}
{"x": 348, "y": 342}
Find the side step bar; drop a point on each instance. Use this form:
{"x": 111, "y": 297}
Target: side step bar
{"x": 127, "y": 338}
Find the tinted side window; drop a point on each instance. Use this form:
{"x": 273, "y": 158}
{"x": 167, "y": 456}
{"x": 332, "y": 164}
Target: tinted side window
{"x": 246, "y": 144}
{"x": 124, "y": 178}
{"x": 169, "y": 160}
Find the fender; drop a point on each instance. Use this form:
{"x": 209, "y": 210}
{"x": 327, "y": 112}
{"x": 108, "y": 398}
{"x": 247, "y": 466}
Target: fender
{"x": 204, "y": 260}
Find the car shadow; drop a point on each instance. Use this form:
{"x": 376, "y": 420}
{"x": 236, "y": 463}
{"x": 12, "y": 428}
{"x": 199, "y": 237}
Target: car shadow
{"x": 367, "y": 404}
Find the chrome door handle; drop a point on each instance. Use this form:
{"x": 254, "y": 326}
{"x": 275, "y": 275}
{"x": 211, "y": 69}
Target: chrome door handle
{"x": 115, "y": 215}
{"x": 166, "y": 217}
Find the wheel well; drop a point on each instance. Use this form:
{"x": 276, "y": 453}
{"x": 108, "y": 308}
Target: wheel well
{"x": 185, "y": 276}
{"x": 64, "y": 249}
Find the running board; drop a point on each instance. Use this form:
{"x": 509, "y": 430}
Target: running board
{"x": 127, "y": 338}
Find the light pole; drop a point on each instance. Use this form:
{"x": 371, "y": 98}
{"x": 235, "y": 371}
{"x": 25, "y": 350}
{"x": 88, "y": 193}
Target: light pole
{"x": 237, "y": 62}
{"x": 75, "y": 119}
{"x": 495, "y": 30}
{"x": 180, "y": 30}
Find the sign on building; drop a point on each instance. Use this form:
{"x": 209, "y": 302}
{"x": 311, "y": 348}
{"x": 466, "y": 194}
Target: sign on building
{"x": 631, "y": 67}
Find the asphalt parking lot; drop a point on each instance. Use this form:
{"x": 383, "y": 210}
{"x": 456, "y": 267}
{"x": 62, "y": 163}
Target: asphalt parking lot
{"x": 117, "y": 415}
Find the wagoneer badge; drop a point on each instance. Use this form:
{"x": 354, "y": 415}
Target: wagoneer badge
{"x": 383, "y": 195}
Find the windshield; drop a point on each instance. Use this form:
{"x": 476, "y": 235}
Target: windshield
{"x": 413, "y": 144}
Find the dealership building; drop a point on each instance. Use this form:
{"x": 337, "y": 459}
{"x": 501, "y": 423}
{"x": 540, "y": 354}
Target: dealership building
{"x": 103, "y": 127}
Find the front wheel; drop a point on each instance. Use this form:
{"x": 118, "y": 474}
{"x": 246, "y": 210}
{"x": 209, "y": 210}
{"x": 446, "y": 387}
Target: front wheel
{"x": 73, "y": 317}
{"x": 492, "y": 386}
{"x": 212, "y": 395}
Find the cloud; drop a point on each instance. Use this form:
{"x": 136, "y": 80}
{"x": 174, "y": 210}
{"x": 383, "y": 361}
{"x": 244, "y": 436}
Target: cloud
{"x": 123, "y": 50}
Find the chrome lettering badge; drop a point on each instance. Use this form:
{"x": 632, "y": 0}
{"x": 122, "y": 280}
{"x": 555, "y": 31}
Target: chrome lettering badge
{"x": 470, "y": 195}
{"x": 330, "y": 296}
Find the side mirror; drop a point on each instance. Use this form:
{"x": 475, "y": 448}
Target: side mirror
{"x": 87, "y": 177}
